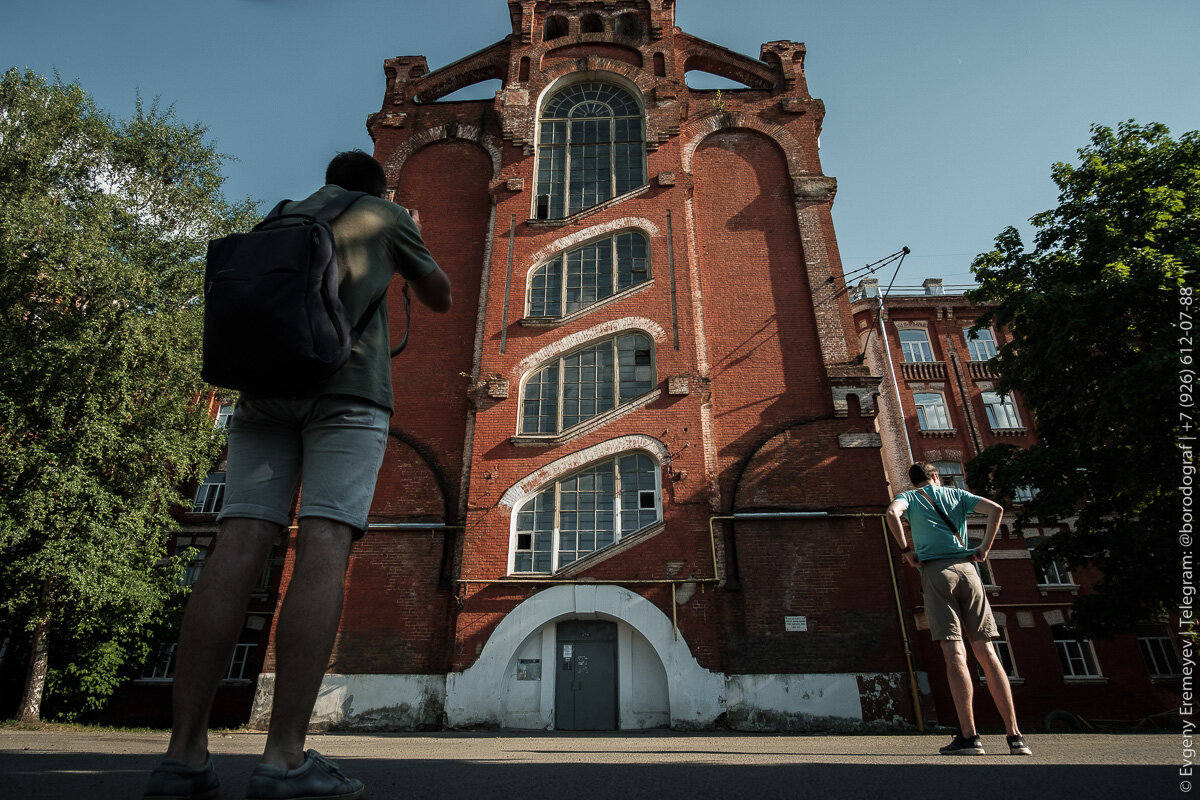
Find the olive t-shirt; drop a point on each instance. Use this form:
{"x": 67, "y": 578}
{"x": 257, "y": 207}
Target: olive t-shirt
{"x": 374, "y": 239}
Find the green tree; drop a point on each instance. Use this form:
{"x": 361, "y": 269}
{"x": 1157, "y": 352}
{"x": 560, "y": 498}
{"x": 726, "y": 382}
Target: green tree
{"x": 103, "y": 226}
{"x": 1094, "y": 308}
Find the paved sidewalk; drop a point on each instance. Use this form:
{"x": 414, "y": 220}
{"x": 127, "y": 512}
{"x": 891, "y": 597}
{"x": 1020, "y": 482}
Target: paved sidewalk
{"x": 660, "y": 765}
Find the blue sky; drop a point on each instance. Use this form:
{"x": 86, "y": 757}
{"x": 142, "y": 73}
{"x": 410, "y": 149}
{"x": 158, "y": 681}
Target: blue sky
{"x": 943, "y": 116}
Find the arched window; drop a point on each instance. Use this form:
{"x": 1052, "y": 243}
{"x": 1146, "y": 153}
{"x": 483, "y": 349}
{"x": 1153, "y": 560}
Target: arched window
{"x": 577, "y": 278}
{"x": 586, "y": 511}
{"x": 591, "y": 148}
{"x": 586, "y": 383}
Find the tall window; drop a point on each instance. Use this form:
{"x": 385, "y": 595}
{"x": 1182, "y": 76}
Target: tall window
{"x": 195, "y": 563}
{"x": 1004, "y": 652}
{"x": 951, "y": 473}
{"x": 981, "y": 344}
{"x": 224, "y": 413}
{"x": 931, "y": 411}
{"x": 585, "y": 512}
{"x": 914, "y": 345}
{"x": 210, "y": 495}
{"x": 1076, "y": 655}
{"x": 1158, "y": 650}
{"x": 1050, "y": 572}
{"x": 590, "y": 149}
{"x": 1001, "y": 411}
{"x": 589, "y": 274}
{"x": 586, "y": 383}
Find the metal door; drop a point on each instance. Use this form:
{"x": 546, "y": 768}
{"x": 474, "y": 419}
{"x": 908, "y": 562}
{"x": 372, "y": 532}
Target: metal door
{"x": 585, "y": 685}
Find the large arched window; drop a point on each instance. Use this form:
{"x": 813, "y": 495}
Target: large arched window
{"x": 586, "y": 511}
{"x": 587, "y": 382}
{"x": 590, "y": 149}
{"x": 598, "y": 270}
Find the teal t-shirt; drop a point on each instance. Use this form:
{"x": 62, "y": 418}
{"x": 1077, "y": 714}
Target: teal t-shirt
{"x": 930, "y": 537}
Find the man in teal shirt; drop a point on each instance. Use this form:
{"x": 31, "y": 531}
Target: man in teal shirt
{"x": 955, "y": 602}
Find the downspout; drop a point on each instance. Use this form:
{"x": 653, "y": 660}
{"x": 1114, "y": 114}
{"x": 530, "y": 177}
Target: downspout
{"x": 736, "y": 581}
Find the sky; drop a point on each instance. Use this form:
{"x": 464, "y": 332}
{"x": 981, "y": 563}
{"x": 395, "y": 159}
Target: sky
{"x": 943, "y": 117}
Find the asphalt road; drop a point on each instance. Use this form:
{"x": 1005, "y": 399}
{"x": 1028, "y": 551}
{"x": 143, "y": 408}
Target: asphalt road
{"x": 659, "y": 765}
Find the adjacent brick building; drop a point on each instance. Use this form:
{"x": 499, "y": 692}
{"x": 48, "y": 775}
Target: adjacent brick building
{"x": 635, "y": 476}
{"x": 938, "y": 403}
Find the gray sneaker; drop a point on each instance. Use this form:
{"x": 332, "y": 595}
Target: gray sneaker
{"x": 317, "y": 778}
{"x": 175, "y": 780}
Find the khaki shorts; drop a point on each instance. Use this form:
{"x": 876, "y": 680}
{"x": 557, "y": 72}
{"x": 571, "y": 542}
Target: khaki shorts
{"x": 332, "y": 445}
{"x": 955, "y": 602}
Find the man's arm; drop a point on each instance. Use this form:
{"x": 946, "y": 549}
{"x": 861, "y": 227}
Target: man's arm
{"x": 995, "y": 512}
{"x": 895, "y": 522}
{"x": 433, "y": 289}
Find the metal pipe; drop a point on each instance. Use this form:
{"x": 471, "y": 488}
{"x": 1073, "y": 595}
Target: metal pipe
{"x": 414, "y": 526}
{"x": 674, "y": 615}
{"x": 587, "y": 581}
{"x": 912, "y": 676}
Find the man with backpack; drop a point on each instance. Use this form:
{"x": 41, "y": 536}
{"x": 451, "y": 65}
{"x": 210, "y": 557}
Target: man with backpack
{"x": 955, "y": 602}
{"x": 331, "y": 438}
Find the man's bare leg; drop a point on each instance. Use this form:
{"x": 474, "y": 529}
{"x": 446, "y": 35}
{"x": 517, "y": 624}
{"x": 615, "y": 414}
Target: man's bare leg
{"x": 997, "y": 682}
{"x": 304, "y": 636}
{"x": 959, "y": 678}
{"x": 213, "y": 622}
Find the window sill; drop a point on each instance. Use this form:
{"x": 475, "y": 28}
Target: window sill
{"x": 1166, "y": 680}
{"x": 558, "y": 222}
{"x": 1058, "y": 588}
{"x": 570, "y": 572}
{"x": 1009, "y": 431}
{"x": 590, "y": 425}
{"x": 940, "y": 433}
{"x": 1083, "y": 680}
{"x": 1011, "y": 681}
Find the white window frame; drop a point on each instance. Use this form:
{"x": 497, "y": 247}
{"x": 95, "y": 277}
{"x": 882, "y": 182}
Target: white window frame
{"x": 640, "y": 275}
{"x": 1159, "y": 653}
{"x": 557, "y": 157}
{"x": 954, "y": 471}
{"x": 1051, "y": 575}
{"x": 916, "y": 350}
{"x": 923, "y": 413}
{"x": 981, "y": 344}
{"x": 1001, "y": 411}
{"x": 224, "y": 413}
{"x": 644, "y": 496}
{"x": 1003, "y": 649}
{"x": 642, "y": 372}
{"x": 1077, "y": 657}
{"x": 210, "y": 494}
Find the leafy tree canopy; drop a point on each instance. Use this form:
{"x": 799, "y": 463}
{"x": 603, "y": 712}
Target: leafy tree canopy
{"x": 103, "y": 228}
{"x": 1094, "y": 310}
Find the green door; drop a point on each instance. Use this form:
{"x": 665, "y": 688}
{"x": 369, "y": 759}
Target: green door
{"x": 585, "y": 689}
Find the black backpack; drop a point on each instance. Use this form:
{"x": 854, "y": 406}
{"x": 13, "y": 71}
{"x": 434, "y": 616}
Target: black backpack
{"x": 273, "y": 321}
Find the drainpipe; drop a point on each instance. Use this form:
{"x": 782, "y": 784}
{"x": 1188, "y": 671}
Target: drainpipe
{"x": 733, "y": 583}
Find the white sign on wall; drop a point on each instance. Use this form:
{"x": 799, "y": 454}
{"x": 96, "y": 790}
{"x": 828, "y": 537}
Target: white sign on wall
{"x": 795, "y": 623}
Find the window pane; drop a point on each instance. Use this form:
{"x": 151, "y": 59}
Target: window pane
{"x": 931, "y": 412}
{"x": 914, "y": 345}
{"x": 980, "y": 344}
{"x": 545, "y": 290}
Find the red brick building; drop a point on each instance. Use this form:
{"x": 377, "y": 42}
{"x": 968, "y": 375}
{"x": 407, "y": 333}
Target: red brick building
{"x": 635, "y": 476}
{"x": 938, "y": 403}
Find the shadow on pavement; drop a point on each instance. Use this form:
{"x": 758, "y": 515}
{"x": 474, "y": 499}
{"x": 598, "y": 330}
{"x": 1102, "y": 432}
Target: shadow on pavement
{"x": 98, "y": 776}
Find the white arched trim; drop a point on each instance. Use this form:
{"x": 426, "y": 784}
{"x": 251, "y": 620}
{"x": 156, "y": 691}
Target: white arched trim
{"x": 697, "y": 696}
{"x": 581, "y": 338}
{"x": 534, "y": 481}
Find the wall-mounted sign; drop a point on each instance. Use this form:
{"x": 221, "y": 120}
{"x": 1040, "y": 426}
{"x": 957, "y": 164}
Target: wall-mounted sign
{"x": 795, "y": 623}
{"x": 529, "y": 669}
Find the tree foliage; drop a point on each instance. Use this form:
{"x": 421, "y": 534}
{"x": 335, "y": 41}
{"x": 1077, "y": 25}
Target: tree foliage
{"x": 1092, "y": 308}
{"x": 103, "y": 228}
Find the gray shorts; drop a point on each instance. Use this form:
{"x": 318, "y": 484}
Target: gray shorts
{"x": 331, "y": 445}
{"x": 955, "y": 602}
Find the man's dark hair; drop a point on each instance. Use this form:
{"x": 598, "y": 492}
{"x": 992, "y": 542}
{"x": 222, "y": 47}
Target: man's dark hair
{"x": 921, "y": 472}
{"x": 356, "y": 171}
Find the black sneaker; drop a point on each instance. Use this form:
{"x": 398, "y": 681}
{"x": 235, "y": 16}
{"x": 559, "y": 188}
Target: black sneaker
{"x": 1017, "y": 746}
{"x": 963, "y": 746}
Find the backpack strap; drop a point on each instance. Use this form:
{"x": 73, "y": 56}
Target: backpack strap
{"x": 942, "y": 514}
